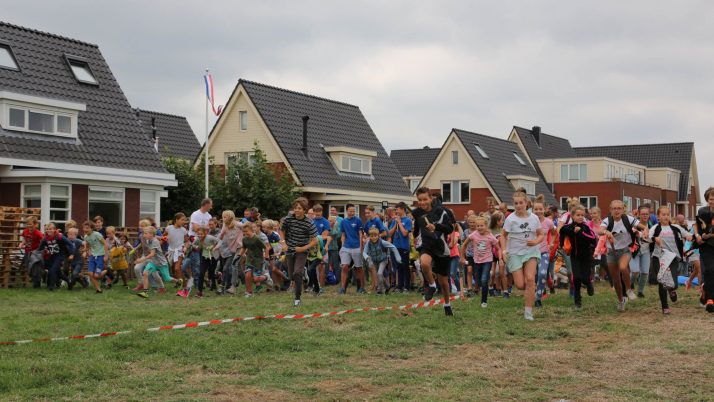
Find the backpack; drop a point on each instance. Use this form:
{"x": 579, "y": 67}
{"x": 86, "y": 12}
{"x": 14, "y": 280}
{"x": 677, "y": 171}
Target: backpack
{"x": 331, "y": 279}
{"x": 117, "y": 257}
{"x": 677, "y": 237}
{"x": 634, "y": 245}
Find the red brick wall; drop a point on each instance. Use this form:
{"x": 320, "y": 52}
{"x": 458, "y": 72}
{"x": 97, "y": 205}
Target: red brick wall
{"x": 80, "y": 203}
{"x": 478, "y": 202}
{"x": 132, "y": 206}
{"x": 10, "y": 194}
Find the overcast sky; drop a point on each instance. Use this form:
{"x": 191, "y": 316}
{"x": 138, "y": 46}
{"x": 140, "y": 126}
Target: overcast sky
{"x": 597, "y": 73}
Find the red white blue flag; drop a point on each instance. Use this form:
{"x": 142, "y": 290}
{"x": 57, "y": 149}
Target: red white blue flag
{"x": 209, "y": 94}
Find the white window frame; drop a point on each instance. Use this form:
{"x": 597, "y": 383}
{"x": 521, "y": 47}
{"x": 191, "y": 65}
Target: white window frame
{"x": 157, "y": 204}
{"x": 564, "y": 203}
{"x": 579, "y": 167}
{"x": 243, "y": 120}
{"x": 637, "y": 203}
{"x": 519, "y": 159}
{"x": 454, "y": 157}
{"x": 481, "y": 151}
{"x": 48, "y": 111}
{"x": 122, "y": 213}
{"x": 68, "y": 198}
{"x": 647, "y": 201}
{"x": 45, "y": 198}
{"x": 452, "y": 193}
{"x": 627, "y": 200}
{"x": 365, "y": 164}
{"x": 589, "y": 198}
{"x": 10, "y": 52}
{"x": 342, "y": 209}
{"x": 414, "y": 184}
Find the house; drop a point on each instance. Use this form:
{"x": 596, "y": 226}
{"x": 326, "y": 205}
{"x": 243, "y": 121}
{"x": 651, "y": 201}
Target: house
{"x": 413, "y": 163}
{"x": 172, "y": 135}
{"x": 326, "y": 146}
{"x": 657, "y": 174}
{"x": 70, "y": 143}
{"x": 471, "y": 167}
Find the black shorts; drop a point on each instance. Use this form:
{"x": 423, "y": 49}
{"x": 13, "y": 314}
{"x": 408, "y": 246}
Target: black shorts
{"x": 440, "y": 265}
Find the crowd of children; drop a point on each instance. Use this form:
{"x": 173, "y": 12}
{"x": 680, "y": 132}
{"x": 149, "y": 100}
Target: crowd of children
{"x": 425, "y": 249}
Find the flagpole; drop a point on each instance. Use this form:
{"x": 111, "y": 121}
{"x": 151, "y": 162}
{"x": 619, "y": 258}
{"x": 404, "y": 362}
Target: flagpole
{"x": 205, "y": 162}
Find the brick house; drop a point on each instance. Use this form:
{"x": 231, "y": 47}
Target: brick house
{"x": 70, "y": 143}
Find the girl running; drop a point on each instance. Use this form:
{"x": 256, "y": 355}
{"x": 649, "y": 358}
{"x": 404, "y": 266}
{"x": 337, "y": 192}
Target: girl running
{"x": 668, "y": 237}
{"x": 640, "y": 263}
{"x": 483, "y": 243}
{"x": 520, "y": 249}
{"x": 231, "y": 237}
{"x": 583, "y": 241}
{"x": 499, "y": 277}
{"x": 548, "y": 240}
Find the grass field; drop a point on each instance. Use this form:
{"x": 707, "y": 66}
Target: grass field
{"x": 480, "y": 354}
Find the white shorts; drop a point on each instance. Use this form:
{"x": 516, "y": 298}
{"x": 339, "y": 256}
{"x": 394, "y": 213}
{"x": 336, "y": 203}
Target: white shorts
{"x": 174, "y": 255}
{"x": 351, "y": 256}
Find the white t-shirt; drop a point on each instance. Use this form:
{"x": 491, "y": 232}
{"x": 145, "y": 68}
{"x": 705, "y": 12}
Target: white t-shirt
{"x": 520, "y": 231}
{"x": 619, "y": 232}
{"x": 668, "y": 240}
{"x": 199, "y": 218}
{"x": 175, "y": 236}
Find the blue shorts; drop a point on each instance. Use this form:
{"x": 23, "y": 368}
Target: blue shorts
{"x": 96, "y": 264}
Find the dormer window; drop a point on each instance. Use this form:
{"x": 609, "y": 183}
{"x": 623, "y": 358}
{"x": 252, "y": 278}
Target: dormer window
{"x": 81, "y": 70}
{"x": 352, "y": 160}
{"x": 7, "y": 58}
{"x": 33, "y": 114}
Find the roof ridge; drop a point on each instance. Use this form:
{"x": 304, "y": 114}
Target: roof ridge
{"x": 37, "y": 31}
{"x": 417, "y": 149}
{"x": 483, "y": 135}
{"x": 243, "y": 80}
{"x": 638, "y": 145}
{"x": 161, "y": 113}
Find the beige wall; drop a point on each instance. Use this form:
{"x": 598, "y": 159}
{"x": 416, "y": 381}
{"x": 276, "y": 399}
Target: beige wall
{"x": 658, "y": 177}
{"x": 444, "y": 170}
{"x": 597, "y": 168}
{"x": 229, "y": 138}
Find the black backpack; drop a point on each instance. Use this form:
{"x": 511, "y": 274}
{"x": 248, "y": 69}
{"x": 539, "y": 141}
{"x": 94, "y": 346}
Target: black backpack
{"x": 677, "y": 237}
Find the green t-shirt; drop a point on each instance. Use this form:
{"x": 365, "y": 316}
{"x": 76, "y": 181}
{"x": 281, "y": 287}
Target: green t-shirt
{"x": 96, "y": 243}
{"x": 254, "y": 247}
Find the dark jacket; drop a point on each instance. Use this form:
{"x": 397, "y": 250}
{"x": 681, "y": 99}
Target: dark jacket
{"x": 583, "y": 243}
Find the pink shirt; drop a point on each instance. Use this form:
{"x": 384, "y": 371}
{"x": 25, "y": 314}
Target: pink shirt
{"x": 455, "y": 250}
{"x": 547, "y": 225}
{"x": 482, "y": 246}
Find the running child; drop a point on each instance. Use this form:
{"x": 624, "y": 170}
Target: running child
{"x": 255, "y": 253}
{"x": 31, "y": 239}
{"x": 315, "y": 262}
{"x": 118, "y": 252}
{"x": 231, "y": 237}
{"x": 582, "y": 244}
{"x": 376, "y": 255}
{"x": 75, "y": 260}
{"x": 351, "y": 251}
{"x": 400, "y": 229}
{"x": 705, "y": 239}
{"x": 670, "y": 237}
{"x": 177, "y": 236}
{"x": 482, "y": 242}
{"x": 640, "y": 263}
{"x": 299, "y": 234}
{"x": 545, "y": 247}
{"x": 156, "y": 261}
{"x": 269, "y": 228}
{"x": 520, "y": 249}
{"x": 55, "y": 248}
{"x": 98, "y": 254}
{"x": 499, "y": 273}
{"x": 202, "y": 247}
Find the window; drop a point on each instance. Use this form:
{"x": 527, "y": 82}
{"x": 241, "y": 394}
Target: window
{"x": 588, "y": 202}
{"x": 149, "y": 204}
{"x": 529, "y": 186}
{"x": 413, "y": 183}
{"x": 648, "y": 201}
{"x": 82, "y": 72}
{"x": 108, "y": 203}
{"x": 481, "y": 151}
{"x": 564, "y": 203}
{"x": 42, "y": 121}
{"x": 32, "y": 196}
{"x": 455, "y": 157}
{"x": 519, "y": 159}
{"x": 574, "y": 172}
{"x": 628, "y": 203}
{"x": 59, "y": 203}
{"x": 656, "y": 205}
{"x": 669, "y": 180}
{"x": 355, "y": 164}
{"x": 637, "y": 203}
{"x": 7, "y": 58}
{"x": 243, "y": 115}
{"x": 232, "y": 158}
{"x": 455, "y": 192}
{"x": 341, "y": 210}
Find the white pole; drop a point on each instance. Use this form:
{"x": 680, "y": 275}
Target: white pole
{"x": 205, "y": 162}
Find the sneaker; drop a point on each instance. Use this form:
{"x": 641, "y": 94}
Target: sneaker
{"x": 248, "y": 295}
{"x": 631, "y": 294}
{"x": 447, "y": 311}
{"x": 179, "y": 283}
{"x": 179, "y": 293}
{"x": 231, "y": 290}
{"x": 386, "y": 291}
{"x": 138, "y": 288}
{"x": 297, "y": 303}
{"x": 491, "y": 292}
{"x": 185, "y": 293}
{"x": 538, "y": 303}
{"x": 429, "y": 292}
{"x": 710, "y": 306}
{"x": 673, "y": 295}
{"x": 666, "y": 311}
{"x": 528, "y": 315}
{"x": 361, "y": 291}
{"x": 545, "y": 296}
{"x": 591, "y": 289}
{"x": 621, "y": 306}
{"x": 702, "y": 304}
{"x": 506, "y": 295}
{"x": 99, "y": 290}
{"x": 85, "y": 282}
{"x": 640, "y": 295}
{"x": 144, "y": 294}
{"x": 341, "y": 292}
{"x": 484, "y": 305}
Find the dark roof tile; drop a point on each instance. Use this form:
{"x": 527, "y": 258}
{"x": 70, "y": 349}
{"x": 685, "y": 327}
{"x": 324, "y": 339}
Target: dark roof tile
{"x": 414, "y": 162}
{"x": 176, "y": 138}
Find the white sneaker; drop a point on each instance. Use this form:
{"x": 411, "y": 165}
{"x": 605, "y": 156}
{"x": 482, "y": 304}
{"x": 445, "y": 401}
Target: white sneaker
{"x": 297, "y": 303}
{"x": 247, "y": 295}
{"x": 231, "y": 290}
{"x": 528, "y": 315}
{"x": 621, "y": 305}
{"x": 484, "y": 305}
{"x": 631, "y": 294}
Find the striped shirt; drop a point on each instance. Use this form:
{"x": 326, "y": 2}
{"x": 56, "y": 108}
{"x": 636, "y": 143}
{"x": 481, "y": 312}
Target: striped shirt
{"x": 298, "y": 232}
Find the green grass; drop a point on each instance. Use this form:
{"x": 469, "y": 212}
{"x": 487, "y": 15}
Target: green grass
{"x": 486, "y": 354}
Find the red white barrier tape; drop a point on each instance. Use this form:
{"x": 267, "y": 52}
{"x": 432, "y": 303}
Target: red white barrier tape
{"x": 409, "y": 306}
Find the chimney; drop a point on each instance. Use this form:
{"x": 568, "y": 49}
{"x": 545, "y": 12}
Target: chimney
{"x": 153, "y": 134}
{"x": 536, "y": 134}
{"x": 304, "y": 133}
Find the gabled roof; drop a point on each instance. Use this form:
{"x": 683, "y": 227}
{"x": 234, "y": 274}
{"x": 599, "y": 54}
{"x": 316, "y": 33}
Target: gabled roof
{"x": 175, "y": 135}
{"x": 331, "y": 123}
{"x": 414, "y": 162}
{"x": 546, "y": 146}
{"x": 501, "y": 163}
{"x": 674, "y": 155}
{"x": 109, "y": 134}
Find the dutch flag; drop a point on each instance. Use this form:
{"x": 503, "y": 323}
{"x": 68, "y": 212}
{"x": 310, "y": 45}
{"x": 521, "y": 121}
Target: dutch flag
{"x": 209, "y": 94}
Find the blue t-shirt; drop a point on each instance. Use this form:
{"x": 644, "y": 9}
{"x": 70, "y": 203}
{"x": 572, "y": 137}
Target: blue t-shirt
{"x": 352, "y": 228}
{"x": 398, "y": 239}
{"x": 321, "y": 224}
{"x": 374, "y": 222}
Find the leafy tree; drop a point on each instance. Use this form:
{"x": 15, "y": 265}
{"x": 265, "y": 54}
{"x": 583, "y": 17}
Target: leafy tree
{"x": 187, "y": 196}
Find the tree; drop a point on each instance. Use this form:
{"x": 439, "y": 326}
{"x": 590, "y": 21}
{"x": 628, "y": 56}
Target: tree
{"x": 253, "y": 184}
{"x": 187, "y": 195}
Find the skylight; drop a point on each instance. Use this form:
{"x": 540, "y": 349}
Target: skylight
{"x": 519, "y": 159}
{"x": 481, "y": 151}
{"x": 7, "y": 58}
{"x": 81, "y": 71}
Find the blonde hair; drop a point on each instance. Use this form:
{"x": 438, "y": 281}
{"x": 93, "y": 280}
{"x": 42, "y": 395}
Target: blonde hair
{"x": 72, "y": 231}
{"x": 478, "y": 218}
{"x": 228, "y": 217}
{"x": 149, "y": 229}
{"x": 111, "y": 229}
{"x": 596, "y": 209}
{"x": 269, "y": 224}
{"x": 70, "y": 224}
{"x": 520, "y": 194}
{"x": 373, "y": 229}
{"x": 540, "y": 199}
{"x": 31, "y": 219}
{"x": 144, "y": 223}
{"x": 662, "y": 208}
